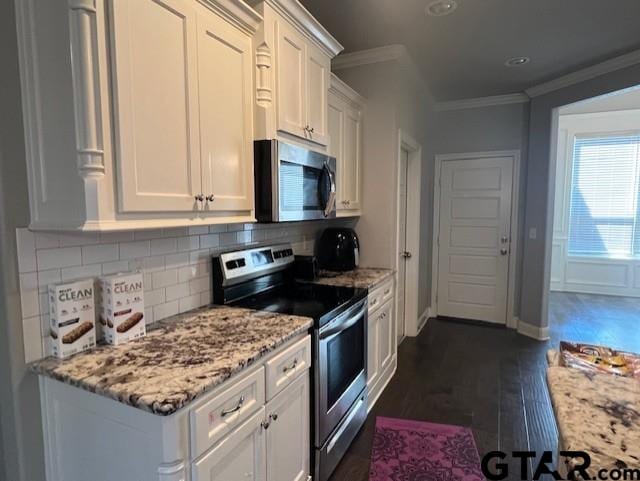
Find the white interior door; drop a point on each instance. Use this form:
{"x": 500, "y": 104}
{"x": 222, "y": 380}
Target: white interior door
{"x": 402, "y": 245}
{"x": 474, "y": 230}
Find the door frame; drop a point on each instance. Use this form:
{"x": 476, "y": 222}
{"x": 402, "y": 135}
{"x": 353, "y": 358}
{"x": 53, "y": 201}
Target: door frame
{"x": 412, "y": 271}
{"x": 512, "y": 321}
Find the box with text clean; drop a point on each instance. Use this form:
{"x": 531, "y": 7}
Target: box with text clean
{"x": 122, "y": 309}
{"x": 72, "y": 317}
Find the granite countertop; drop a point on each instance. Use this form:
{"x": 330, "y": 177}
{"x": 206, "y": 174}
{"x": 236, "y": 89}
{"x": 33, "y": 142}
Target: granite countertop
{"x": 361, "y": 277}
{"x": 180, "y": 360}
{"x": 597, "y": 413}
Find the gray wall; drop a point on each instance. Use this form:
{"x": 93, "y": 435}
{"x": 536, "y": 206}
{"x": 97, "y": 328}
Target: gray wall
{"x": 397, "y": 97}
{"x": 540, "y": 186}
{"x": 499, "y": 127}
{"x": 19, "y": 398}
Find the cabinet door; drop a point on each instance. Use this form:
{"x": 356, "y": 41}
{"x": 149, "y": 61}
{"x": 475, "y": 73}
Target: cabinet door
{"x": 226, "y": 125}
{"x": 156, "y": 105}
{"x": 387, "y": 335}
{"x": 373, "y": 349}
{"x": 318, "y": 77}
{"x": 291, "y": 60}
{"x": 352, "y": 157}
{"x": 288, "y": 436}
{"x": 239, "y": 457}
{"x": 336, "y": 144}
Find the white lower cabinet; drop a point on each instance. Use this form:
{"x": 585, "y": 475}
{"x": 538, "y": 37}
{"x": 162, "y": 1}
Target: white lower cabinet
{"x": 239, "y": 457}
{"x": 234, "y": 433}
{"x": 382, "y": 348}
{"x": 288, "y": 448}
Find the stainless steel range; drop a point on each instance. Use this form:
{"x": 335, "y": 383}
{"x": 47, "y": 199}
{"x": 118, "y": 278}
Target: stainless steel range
{"x": 262, "y": 278}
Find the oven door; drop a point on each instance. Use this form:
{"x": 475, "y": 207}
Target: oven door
{"x": 341, "y": 368}
{"x": 306, "y": 184}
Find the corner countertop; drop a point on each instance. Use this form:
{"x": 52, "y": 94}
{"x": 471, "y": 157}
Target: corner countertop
{"x": 179, "y": 360}
{"x": 361, "y": 277}
{"x": 599, "y": 414}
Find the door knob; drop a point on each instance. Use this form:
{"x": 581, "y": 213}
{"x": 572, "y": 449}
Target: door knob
{"x": 504, "y": 251}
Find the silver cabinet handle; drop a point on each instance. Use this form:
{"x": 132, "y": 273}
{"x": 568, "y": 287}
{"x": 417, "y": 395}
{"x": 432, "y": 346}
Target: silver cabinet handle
{"x": 235, "y": 409}
{"x": 504, "y": 239}
{"x": 293, "y": 366}
{"x": 504, "y": 251}
{"x": 273, "y": 416}
{"x": 406, "y": 255}
{"x": 211, "y": 198}
{"x": 265, "y": 424}
{"x": 199, "y": 197}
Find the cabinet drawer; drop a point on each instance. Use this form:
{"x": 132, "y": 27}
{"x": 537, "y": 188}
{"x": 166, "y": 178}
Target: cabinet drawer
{"x": 380, "y": 295}
{"x": 285, "y": 367}
{"x": 217, "y": 417}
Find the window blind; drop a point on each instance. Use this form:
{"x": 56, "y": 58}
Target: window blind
{"x": 604, "y": 196}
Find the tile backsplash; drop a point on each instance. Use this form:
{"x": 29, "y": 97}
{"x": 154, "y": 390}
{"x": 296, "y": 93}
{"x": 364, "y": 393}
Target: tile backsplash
{"x": 175, "y": 263}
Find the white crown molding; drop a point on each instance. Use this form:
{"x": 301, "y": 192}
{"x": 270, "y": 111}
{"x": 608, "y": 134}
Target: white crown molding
{"x": 388, "y": 53}
{"x": 346, "y": 93}
{"x": 237, "y": 12}
{"x": 608, "y": 66}
{"x": 293, "y": 11}
{"x": 480, "y": 102}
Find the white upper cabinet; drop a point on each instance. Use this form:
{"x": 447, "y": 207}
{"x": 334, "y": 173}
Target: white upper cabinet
{"x": 156, "y": 105}
{"x": 346, "y": 111}
{"x": 293, "y": 65}
{"x": 150, "y": 121}
{"x": 225, "y": 63}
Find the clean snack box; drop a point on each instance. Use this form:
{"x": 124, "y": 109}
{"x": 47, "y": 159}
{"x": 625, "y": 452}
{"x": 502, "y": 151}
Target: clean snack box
{"x": 122, "y": 309}
{"x": 72, "y": 317}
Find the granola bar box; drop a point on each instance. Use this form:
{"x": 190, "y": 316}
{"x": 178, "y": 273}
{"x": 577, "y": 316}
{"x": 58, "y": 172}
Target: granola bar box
{"x": 72, "y": 317}
{"x": 122, "y": 308}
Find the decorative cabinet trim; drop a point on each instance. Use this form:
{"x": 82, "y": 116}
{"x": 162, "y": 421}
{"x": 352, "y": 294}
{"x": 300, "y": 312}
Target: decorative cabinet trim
{"x": 237, "y": 13}
{"x": 346, "y": 93}
{"x": 86, "y": 87}
{"x": 300, "y": 17}
{"x": 264, "y": 74}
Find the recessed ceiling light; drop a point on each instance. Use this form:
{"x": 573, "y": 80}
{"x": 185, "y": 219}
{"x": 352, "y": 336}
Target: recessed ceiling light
{"x": 517, "y": 61}
{"x": 440, "y": 8}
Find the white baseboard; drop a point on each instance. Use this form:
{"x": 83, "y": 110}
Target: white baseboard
{"x": 535, "y": 332}
{"x": 423, "y": 318}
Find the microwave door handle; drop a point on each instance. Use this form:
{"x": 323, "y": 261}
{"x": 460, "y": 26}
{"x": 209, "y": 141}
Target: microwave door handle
{"x": 343, "y": 326}
{"x": 331, "y": 201}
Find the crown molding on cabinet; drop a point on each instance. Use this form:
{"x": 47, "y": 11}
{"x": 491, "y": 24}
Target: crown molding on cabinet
{"x": 237, "y": 13}
{"x": 344, "y": 92}
{"x": 608, "y": 66}
{"x": 299, "y": 16}
{"x": 519, "y": 98}
{"x": 388, "y": 53}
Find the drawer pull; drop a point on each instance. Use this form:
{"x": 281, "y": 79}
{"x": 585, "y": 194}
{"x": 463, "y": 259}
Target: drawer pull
{"x": 387, "y": 292}
{"x": 293, "y": 366}
{"x": 235, "y": 409}
{"x": 273, "y": 416}
{"x": 374, "y": 302}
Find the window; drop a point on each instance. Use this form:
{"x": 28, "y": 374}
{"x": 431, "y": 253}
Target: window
{"x": 604, "y": 196}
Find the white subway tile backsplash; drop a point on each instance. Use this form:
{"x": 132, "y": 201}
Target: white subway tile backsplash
{"x": 177, "y": 291}
{"x": 165, "y": 310}
{"x": 81, "y": 272}
{"x": 177, "y": 260}
{"x": 176, "y": 264}
{"x": 99, "y": 253}
{"x": 132, "y": 250}
{"x": 148, "y": 315}
{"x": 190, "y": 243}
{"x": 163, "y": 246}
{"x": 210, "y": 240}
{"x": 165, "y": 278}
{"x": 60, "y": 257}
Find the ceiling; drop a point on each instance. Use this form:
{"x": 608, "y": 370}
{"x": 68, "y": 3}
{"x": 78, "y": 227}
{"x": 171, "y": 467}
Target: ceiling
{"x": 462, "y": 54}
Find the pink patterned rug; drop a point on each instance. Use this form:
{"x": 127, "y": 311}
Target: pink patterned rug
{"x": 406, "y": 450}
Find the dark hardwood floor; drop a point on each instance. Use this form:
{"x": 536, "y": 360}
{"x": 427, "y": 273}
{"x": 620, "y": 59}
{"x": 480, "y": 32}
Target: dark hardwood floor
{"x": 490, "y": 378}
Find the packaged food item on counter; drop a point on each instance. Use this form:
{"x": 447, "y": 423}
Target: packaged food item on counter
{"x": 601, "y": 359}
{"x": 122, "y": 308}
{"x": 72, "y": 317}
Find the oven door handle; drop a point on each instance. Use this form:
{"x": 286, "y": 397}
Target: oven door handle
{"x": 333, "y": 331}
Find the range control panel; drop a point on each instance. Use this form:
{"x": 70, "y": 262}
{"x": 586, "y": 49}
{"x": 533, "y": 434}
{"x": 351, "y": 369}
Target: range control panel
{"x": 247, "y": 264}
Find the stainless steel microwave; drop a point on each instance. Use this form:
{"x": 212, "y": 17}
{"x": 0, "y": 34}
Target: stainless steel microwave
{"x": 293, "y": 183}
